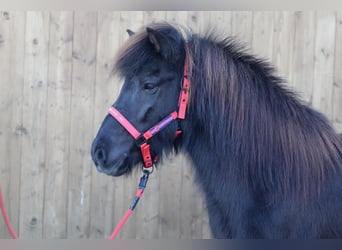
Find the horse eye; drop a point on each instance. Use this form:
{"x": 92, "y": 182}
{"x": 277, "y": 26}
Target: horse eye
{"x": 150, "y": 86}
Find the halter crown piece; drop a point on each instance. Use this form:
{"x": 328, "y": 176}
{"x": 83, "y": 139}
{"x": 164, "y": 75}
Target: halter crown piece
{"x": 143, "y": 138}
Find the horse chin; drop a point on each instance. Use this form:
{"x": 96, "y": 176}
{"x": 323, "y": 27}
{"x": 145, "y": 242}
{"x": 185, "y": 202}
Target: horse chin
{"x": 119, "y": 168}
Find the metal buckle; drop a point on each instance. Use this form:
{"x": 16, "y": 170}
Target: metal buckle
{"x": 149, "y": 170}
{"x": 140, "y": 140}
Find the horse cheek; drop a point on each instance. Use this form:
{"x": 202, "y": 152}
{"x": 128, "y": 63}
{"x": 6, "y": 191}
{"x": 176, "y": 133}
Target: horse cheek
{"x": 144, "y": 113}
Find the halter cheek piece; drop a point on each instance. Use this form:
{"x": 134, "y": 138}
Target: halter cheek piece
{"x": 142, "y": 139}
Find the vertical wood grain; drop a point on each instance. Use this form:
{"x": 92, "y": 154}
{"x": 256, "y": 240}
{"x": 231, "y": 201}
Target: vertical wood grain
{"x": 262, "y": 42}
{"x": 220, "y": 23}
{"x": 34, "y": 123}
{"x": 324, "y": 62}
{"x": 303, "y": 54}
{"x": 242, "y": 26}
{"x": 337, "y": 86}
{"x": 106, "y": 90}
{"x": 198, "y": 21}
{"x": 12, "y": 47}
{"x": 81, "y": 129}
{"x": 283, "y": 42}
{"x": 58, "y": 124}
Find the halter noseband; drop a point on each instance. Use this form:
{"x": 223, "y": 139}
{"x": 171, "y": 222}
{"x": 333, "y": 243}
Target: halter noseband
{"x": 142, "y": 139}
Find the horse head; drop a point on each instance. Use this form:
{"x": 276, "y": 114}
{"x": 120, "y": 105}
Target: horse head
{"x": 151, "y": 64}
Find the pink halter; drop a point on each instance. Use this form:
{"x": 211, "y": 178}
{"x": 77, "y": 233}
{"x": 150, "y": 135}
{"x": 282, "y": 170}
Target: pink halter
{"x": 142, "y": 138}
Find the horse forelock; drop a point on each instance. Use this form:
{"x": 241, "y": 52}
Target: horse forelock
{"x": 137, "y": 50}
{"x": 132, "y": 54}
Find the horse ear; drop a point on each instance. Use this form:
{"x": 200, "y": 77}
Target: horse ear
{"x": 165, "y": 44}
{"x": 155, "y": 38}
{"x": 130, "y": 32}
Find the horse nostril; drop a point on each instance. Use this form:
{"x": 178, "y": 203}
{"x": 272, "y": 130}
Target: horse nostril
{"x": 100, "y": 156}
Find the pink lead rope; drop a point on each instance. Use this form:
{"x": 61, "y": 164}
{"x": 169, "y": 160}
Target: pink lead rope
{"x": 6, "y": 218}
{"x": 142, "y": 185}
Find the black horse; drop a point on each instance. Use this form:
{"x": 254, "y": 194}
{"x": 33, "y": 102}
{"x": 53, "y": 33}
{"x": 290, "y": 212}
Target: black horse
{"x": 269, "y": 165}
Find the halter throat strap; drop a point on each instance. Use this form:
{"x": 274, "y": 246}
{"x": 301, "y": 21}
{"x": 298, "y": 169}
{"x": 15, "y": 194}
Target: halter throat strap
{"x": 142, "y": 139}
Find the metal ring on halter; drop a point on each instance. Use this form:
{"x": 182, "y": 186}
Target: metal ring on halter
{"x": 148, "y": 170}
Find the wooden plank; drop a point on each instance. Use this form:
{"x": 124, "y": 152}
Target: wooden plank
{"x": 303, "y": 54}
{"x": 34, "y": 123}
{"x": 324, "y": 62}
{"x": 337, "y": 88}
{"x": 81, "y": 129}
{"x": 106, "y": 90}
{"x": 283, "y": 42}
{"x": 221, "y": 23}
{"x": 58, "y": 123}
{"x": 242, "y": 26}
{"x": 125, "y": 187}
{"x": 155, "y": 16}
{"x": 12, "y": 45}
{"x": 199, "y": 21}
{"x": 262, "y": 43}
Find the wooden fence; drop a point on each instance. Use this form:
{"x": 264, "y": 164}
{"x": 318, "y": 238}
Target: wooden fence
{"x": 55, "y": 90}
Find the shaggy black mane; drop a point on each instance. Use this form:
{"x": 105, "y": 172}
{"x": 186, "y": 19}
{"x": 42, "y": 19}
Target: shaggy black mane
{"x": 280, "y": 145}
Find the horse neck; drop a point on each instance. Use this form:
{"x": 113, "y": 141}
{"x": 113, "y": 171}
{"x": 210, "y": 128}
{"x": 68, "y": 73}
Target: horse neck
{"x": 245, "y": 126}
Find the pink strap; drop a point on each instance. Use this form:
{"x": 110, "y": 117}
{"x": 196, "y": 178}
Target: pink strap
{"x": 5, "y": 216}
{"x": 184, "y": 94}
{"x": 121, "y": 224}
{"x": 146, "y": 154}
{"x": 124, "y": 122}
{"x": 160, "y": 125}
{"x": 138, "y": 195}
